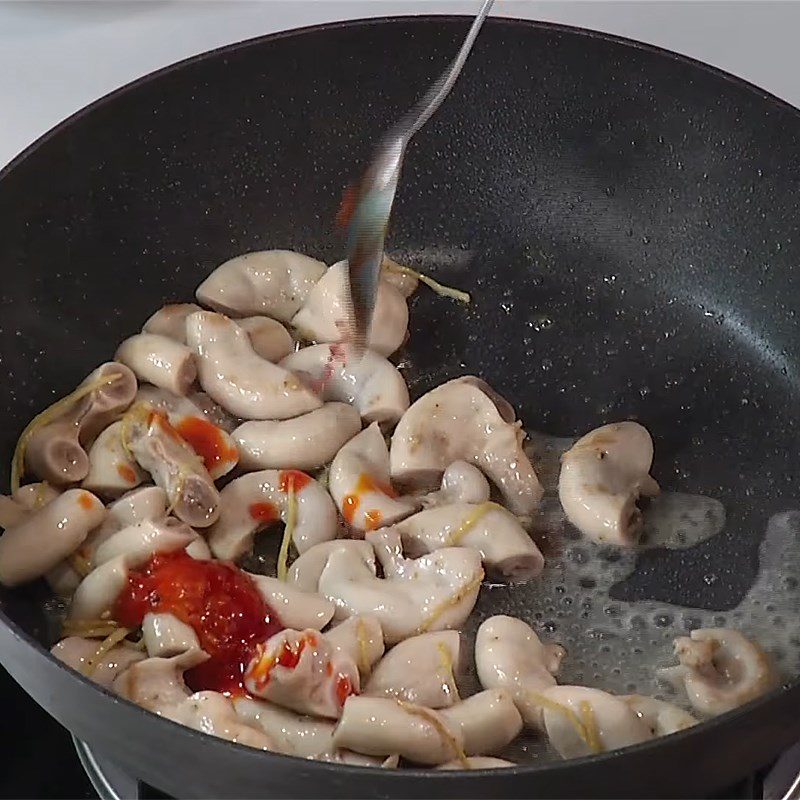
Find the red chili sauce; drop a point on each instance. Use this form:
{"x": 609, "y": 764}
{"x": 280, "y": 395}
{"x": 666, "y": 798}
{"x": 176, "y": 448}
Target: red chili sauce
{"x": 218, "y": 600}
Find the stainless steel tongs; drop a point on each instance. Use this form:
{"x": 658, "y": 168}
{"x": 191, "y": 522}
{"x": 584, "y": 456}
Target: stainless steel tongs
{"x": 375, "y": 194}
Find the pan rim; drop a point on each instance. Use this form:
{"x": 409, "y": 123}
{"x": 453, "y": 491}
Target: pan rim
{"x": 729, "y": 719}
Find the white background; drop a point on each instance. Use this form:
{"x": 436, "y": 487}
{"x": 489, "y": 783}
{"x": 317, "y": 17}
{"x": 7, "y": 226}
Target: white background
{"x": 56, "y": 57}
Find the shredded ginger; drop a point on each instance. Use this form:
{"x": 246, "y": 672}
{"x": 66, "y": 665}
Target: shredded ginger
{"x": 439, "y": 288}
{"x": 111, "y": 641}
{"x": 585, "y": 725}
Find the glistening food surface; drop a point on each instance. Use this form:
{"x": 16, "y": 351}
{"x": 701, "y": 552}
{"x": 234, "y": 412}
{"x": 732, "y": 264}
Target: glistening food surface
{"x": 420, "y": 581}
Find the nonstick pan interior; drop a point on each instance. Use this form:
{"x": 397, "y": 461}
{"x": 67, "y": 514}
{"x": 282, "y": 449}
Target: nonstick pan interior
{"x": 625, "y": 222}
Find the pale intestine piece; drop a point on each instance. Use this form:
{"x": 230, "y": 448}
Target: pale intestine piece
{"x": 306, "y": 570}
{"x": 237, "y": 378}
{"x": 580, "y": 721}
{"x": 380, "y": 726}
{"x": 602, "y": 476}
{"x": 253, "y": 501}
{"x": 159, "y": 360}
{"x": 509, "y": 655}
{"x": 98, "y": 591}
{"x": 268, "y": 337}
{"x": 55, "y": 451}
{"x": 157, "y": 685}
{"x": 370, "y": 383}
{"x": 477, "y": 762}
{"x": 112, "y": 471}
{"x": 720, "y": 669}
{"x": 137, "y": 543}
{"x": 173, "y": 464}
{"x": 300, "y": 735}
{"x": 16, "y": 507}
{"x": 360, "y": 638}
{"x": 295, "y": 609}
{"x": 420, "y": 670}
{"x": 165, "y": 635}
{"x": 170, "y": 321}
{"x": 212, "y": 443}
{"x": 359, "y": 483}
{"x": 325, "y": 313}
{"x": 274, "y": 283}
{"x": 214, "y": 713}
{"x": 293, "y": 734}
{"x": 305, "y": 442}
{"x": 146, "y": 502}
{"x": 465, "y": 420}
{"x": 81, "y": 655}
{"x": 302, "y": 671}
{"x": 507, "y": 551}
{"x": 462, "y": 482}
{"x": 434, "y": 592}
{"x": 485, "y": 722}
{"x": 661, "y": 717}
{"x": 45, "y": 537}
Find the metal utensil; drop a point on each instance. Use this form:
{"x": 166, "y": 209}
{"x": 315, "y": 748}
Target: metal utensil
{"x": 375, "y": 194}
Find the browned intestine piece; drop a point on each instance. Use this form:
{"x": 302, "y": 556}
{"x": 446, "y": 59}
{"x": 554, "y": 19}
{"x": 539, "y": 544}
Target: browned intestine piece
{"x": 55, "y": 449}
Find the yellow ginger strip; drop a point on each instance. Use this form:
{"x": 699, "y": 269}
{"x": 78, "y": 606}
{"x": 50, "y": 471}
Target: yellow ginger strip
{"x": 107, "y": 644}
{"x": 432, "y": 718}
{"x": 449, "y": 603}
{"x": 447, "y": 665}
{"x": 590, "y": 725}
{"x": 439, "y": 288}
{"x": 591, "y": 738}
{"x": 469, "y": 522}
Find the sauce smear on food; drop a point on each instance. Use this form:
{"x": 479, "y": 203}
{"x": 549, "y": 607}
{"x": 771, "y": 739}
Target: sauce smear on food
{"x": 207, "y": 441}
{"x": 218, "y": 600}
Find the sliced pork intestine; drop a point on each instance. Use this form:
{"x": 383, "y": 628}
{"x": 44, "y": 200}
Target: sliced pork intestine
{"x": 159, "y": 360}
{"x": 82, "y": 655}
{"x": 175, "y": 467}
{"x": 249, "y": 503}
{"x": 191, "y": 422}
{"x": 359, "y": 483}
{"x": 112, "y": 470}
{"x": 420, "y": 670}
{"x": 237, "y": 378}
{"x": 465, "y": 420}
{"x": 45, "y": 537}
{"x": 434, "y": 592}
{"x": 273, "y": 283}
{"x": 369, "y": 382}
{"x": 55, "y": 451}
{"x": 509, "y": 655}
{"x": 506, "y": 549}
{"x": 305, "y": 442}
{"x": 302, "y": 671}
{"x": 325, "y": 312}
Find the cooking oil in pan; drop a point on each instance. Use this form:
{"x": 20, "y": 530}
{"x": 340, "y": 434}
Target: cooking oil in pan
{"x": 618, "y": 646}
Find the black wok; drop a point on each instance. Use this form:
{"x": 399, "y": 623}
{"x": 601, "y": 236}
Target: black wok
{"x": 623, "y": 216}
